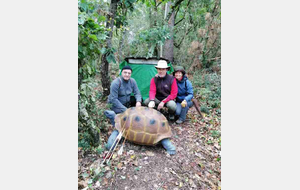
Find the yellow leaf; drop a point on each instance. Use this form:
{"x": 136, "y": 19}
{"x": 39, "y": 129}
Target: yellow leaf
{"x": 180, "y": 184}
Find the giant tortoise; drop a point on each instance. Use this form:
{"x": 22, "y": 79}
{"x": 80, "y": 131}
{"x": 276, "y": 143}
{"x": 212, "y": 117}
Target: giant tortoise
{"x": 145, "y": 126}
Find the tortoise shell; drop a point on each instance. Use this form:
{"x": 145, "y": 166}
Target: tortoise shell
{"x": 143, "y": 125}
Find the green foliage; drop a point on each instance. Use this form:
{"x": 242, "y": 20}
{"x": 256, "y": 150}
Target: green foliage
{"x": 121, "y": 14}
{"x": 91, "y": 34}
{"x": 207, "y": 86}
{"x": 204, "y": 109}
{"x": 215, "y": 133}
{"x": 199, "y": 34}
{"x": 152, "y": 37}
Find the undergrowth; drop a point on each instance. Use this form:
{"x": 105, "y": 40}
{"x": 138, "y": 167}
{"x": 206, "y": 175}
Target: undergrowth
{"x": 207, "y": 89}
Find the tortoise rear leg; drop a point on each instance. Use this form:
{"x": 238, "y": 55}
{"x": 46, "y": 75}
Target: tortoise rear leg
{"x": 167, "y": 144}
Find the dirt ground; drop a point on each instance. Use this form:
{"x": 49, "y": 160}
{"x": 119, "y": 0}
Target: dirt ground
{"x": 196, "y": 165}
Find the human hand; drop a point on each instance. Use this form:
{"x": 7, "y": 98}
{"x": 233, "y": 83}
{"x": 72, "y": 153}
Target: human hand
{"x": 183, "y": 103}
{"x": 151, "y": 104}
{"x": 160, "y": 105}
{"x": 138, "y": 104}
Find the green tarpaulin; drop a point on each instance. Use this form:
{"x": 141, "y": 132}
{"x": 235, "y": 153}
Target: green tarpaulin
{"x": 143, "y": 71}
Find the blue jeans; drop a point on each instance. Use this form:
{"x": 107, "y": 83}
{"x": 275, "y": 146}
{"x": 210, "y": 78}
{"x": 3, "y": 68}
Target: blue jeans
{"x": 183, "y": 111}
{"x": 111, "y": 116}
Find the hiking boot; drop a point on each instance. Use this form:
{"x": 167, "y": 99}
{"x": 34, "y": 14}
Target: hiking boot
{"x": 179, "y": 121}
{"x": 167, "y": 144}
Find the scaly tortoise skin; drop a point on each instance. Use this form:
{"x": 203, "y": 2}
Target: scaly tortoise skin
{"x": 145, "y": 126}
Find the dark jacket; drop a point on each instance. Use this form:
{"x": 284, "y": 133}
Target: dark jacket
{"x": 164, "y": 89}
{"x": 120, "y": 91}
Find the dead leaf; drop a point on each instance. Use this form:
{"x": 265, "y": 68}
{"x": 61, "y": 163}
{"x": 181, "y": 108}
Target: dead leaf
{"x": 105, "y": 181}
{"x": 166, "y": 170}
{"x": 119, "y": 166}
{"x": 149, "y": 153}
{"x": 130, "y": 152}
{"x": 82, "y": 184}
{"x": 180, "y": 184}
{"x": 135, "y": 163}
{"x": 132, "y": 157}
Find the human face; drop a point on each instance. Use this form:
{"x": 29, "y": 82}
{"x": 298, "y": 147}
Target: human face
{"x": 178, "y": 75}
{"x": 126, "y": 73}
{"x": 161, "y": 72}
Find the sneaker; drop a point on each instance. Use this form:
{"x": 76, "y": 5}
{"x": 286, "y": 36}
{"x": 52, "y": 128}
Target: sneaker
{"x": 171, "y": 117}
{"x": 179, "y": 121}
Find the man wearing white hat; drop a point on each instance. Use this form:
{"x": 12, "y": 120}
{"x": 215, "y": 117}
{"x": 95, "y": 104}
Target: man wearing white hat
{"x": 163, "y": 90}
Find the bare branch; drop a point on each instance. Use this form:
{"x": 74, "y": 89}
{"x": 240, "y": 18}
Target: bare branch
{"x": 179, "y": 21}
{"x": 187, "y": 6}
{"x": 186, "y": 33}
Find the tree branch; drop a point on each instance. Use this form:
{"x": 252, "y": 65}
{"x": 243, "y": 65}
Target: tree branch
{"x": 186, "y": 33}
{"x": 179, "y": 21}
{"x": 158, "y": 4}
{"x": 174, "y": 8}
{"x": 187, "y": 6}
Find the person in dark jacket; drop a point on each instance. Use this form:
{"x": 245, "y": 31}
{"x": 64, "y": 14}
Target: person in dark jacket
{"x": 184, "y": 95}
{"x": 163, "y": 90}
{"x": 121, "y": 99}
{"x": 121, "y": 89}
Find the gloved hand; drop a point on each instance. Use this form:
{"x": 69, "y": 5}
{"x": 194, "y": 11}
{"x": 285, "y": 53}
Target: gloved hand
{"x": 151, "y": 104}
{"x": 183, "y": 103}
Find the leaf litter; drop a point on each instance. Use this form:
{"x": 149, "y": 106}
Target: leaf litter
{"x": 196, "y": 165}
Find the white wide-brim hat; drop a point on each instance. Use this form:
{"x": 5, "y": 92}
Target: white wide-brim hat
{"x": 162, "y": 64}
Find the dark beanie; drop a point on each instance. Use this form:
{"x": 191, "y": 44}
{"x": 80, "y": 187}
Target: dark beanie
{"x": 126, "y": 67}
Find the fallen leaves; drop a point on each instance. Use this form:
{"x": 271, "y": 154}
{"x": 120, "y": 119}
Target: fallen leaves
{"x": 197, "y": 164}
{"x": 149, "y": 153}
{"x": 119, "y": 166}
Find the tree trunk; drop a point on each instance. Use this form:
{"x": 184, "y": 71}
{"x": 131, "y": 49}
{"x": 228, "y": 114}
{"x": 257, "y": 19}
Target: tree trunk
{"x": 104, "y": 63}
{"x": 168, "y": 52}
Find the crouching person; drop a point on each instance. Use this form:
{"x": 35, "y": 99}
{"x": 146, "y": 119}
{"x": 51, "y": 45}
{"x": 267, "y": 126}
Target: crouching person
{"x": 185, "y": 94}
{"x": 163, "y": 90}
{"x": 121, "y": 99}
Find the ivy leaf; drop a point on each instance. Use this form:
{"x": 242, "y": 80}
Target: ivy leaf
{"x": 111, "y": 58}
{"x": 81, "y": 18}
{"x": 89, "y": 70}
{"x": 101, "y": 18}
{"x": 103, "y": 50}
{"x": 94, "y": 37}
{"x": 85, "y": 175}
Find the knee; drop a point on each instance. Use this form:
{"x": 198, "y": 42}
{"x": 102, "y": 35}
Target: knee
{"x": 110, "y": 114}
{"x": 119, "y": 110}
{"x": 171, "y": 106}
{"x": 178, "y": 109}
{"x": 146, "y": 102}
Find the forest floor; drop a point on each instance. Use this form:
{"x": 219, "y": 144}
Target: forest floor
{"x": 196, "y": 165}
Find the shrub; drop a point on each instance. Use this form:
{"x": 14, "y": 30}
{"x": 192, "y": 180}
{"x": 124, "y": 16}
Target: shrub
{"x": 207, "y": 87}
